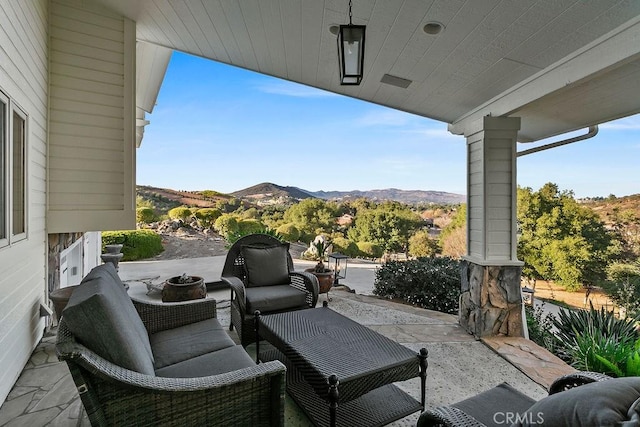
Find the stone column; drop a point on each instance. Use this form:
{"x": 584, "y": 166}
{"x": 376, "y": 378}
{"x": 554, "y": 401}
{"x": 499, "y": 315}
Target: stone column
{"x": 491, "y": 302}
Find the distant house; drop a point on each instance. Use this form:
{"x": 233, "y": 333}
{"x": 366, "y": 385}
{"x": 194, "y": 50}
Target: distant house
{"x": 345, "y": 220}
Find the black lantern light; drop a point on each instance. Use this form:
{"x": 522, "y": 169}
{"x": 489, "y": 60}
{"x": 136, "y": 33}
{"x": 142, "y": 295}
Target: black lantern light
{"x": 339, "y": 266}
{"x": 351, "y": 52}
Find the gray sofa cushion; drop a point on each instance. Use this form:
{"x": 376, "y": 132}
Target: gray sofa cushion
{"x": 221, "y": 361}
{"x": 602, "y": 403}
{"x": 491, "y": 407}
{"x": 188, "y": 341}
{"x": 102, "y": 317}
{"x": 266, "y": 265}
{"x": 274, "y": 298}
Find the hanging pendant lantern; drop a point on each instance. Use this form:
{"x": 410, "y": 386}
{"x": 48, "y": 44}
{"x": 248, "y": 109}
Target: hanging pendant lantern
{"x": 351, "y": 52}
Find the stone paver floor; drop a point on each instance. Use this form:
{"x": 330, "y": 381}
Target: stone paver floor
{"x": 459, "y": 366}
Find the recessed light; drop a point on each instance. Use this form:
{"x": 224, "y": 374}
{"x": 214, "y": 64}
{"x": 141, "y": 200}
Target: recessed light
{"x": 432, "y": 28}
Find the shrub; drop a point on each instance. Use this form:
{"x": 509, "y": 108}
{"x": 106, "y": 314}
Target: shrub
{"x": 346, "y": 247}
{"x": 226, "y": 225}
{"x": 540, "y": 326}
{"x": 137, "y": 244}
{"x": 250, "y": 226}
{"x": 370, "y": 250}
{"x": 207, "y": 216}
{"x": 623, "y": 286}
{"x": 422, "y": 245}
{"x": 145, "y": 215}
{"x": 181, "y": 212}
{"x": 432, "y": 283}
{"x": 289, "y": 232}
{"x": 598, "y": 341}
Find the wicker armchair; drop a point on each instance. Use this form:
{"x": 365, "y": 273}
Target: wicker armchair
{"x": 113, "y": 395}
{"x": 606, "y": 401}
{"x": 234, "y": 273}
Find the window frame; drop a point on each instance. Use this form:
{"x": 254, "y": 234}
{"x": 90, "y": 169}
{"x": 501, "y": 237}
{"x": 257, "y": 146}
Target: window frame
{"x": 4, "y": 170}
{"x": 15, "y": 110}
{"x": 8, "y": 197}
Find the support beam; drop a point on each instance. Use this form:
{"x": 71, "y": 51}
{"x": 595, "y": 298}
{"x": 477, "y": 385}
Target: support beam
{"x": 491, "y": 302}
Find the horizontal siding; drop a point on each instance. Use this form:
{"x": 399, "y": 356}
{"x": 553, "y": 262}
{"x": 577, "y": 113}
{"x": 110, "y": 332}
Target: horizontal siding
{"x": 23, "y": 77}
{"x": 90, "y": 166}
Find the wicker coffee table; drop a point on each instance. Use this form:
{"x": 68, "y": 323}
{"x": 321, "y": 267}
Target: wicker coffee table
{"x": 338, "y": 371}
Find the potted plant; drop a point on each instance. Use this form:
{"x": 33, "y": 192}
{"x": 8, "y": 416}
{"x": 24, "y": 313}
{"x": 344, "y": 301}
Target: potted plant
{"x": 318, "y": 251}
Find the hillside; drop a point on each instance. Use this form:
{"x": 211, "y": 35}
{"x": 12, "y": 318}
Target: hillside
{"x": 607, "y": 207}
{"x": 404, "y": 196}
{"x": 165, "y": 198}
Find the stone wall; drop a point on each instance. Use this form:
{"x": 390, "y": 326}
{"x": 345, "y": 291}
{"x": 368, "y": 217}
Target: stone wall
{"x": 491, "y": 300}
{"x": 58, "y": 243}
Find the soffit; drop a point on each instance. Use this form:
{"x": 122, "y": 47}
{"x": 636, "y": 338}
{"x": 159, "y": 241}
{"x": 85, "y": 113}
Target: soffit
{"x": 488, "y": 47}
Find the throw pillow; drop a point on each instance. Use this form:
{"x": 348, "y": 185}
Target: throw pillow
{"x": 604, "y": 403}
{"x": 266, "y": 265}
{"x": 102, "y": 317}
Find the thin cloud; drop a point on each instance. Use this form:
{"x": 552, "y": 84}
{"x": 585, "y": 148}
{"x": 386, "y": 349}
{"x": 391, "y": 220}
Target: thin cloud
{"x": 628, "y": 123}
{"x": 384, "y": 118}
{"x": 292, "y": 89}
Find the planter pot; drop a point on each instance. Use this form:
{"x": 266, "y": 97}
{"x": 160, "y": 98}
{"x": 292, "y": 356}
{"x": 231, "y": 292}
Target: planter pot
{"x": 174, "y": 291}
{"x": 113, "y": 249}
{"x": 325, "y": 280}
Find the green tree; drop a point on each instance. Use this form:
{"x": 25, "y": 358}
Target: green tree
{"x": 311, "y": 217}
{"x": 422, "y": 245}
{"x": 453, "y": 238}
{"x": 561, "y": 240}
{"x": 388, "y": 225}
{"x": 289, "y": 232}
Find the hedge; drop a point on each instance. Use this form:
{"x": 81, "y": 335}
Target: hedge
{"x": 137, "y": 244}
{"x": 432, "y": 283}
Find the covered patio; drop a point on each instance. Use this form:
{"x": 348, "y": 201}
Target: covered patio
{"x": 78, "y": 78}
{"x": 46, "y": 395}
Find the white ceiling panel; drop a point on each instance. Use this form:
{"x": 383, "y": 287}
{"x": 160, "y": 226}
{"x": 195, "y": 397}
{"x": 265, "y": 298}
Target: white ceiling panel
{"x": 487, "y": 51}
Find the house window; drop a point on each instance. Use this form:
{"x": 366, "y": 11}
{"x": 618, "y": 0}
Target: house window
{"x": 4, "y": 167}
{"x": 13, "y": 166}
{"x": 18, "y": 167}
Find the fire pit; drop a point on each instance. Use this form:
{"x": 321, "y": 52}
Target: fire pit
{"x": 184, "y": 288}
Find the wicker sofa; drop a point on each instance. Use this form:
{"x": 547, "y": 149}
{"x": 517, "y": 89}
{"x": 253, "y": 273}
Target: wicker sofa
{"x": 578, "y": 399}
{"x": 161, "y": 364}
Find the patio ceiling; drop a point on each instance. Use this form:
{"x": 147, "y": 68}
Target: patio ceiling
{"x": 561, "y": 65}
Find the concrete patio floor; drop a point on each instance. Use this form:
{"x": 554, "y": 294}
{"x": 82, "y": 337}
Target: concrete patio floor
{"x": 459, "y": 365}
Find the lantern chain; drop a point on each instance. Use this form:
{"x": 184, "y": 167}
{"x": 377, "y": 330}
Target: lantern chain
{"x": 350, "y": 14}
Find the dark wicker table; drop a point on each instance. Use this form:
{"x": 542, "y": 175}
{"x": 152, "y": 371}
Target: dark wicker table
{"x": 338, "y": 371}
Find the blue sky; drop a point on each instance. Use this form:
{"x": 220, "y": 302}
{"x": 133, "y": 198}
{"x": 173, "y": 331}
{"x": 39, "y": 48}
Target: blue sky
{"x": 217, "y": 127}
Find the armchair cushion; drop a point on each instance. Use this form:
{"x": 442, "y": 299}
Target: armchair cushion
{"x": 600, "y": 403}
{"x": 274, "y": 298}
{"x": 482, "y": 407}
{"x": 225, "y": 360}
{"x": 102, "y": 317}
{"x": 266, "y": 265}
{"x": 185, "y": 342}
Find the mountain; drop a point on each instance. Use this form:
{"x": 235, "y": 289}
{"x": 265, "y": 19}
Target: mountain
{"x": 404, "y": 196}
{"x": 268, "y": 193}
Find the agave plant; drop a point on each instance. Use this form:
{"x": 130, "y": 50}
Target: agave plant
{"x": 570, "y": 323}
{"x": 596, "y": 340}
